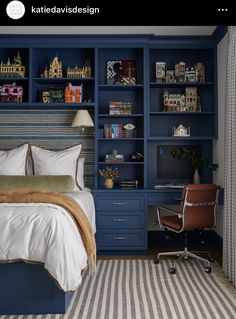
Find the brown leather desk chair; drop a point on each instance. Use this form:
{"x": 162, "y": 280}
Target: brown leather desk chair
{"x": 197, "y": 210}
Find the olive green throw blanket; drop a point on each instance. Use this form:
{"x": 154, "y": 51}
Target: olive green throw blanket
{"x": 71, "y": 206}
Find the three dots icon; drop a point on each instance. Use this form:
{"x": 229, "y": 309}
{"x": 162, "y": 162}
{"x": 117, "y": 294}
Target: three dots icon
{"x": 223, "y": 10}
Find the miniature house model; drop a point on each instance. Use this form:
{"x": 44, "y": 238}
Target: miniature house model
{"x": 73, "y": 94}
{"x": 55, "y": 69}
{"x": 11, "y": 93}
{"x": 12, "y": 70}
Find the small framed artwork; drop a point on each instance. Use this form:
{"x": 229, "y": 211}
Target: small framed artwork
{"x": 121, "y": 72}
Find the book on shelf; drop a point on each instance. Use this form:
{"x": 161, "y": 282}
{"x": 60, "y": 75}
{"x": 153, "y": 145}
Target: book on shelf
{"x": 133, "y": 183}
{"x": 168, "y": 185}
{"x": 113, "y": 130}
{"x": 119, "y": 108}
{"x": 114, "y": 158}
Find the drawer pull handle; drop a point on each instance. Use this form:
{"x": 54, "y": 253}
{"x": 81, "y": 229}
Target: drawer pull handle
{"x": 119, "y": 238}
{"x": 119, "y": 220}
{"x": 119, "y": 203}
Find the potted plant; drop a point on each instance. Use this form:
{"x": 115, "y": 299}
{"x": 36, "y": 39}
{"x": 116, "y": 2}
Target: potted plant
{"x": 194, "y": 156}
{"x": 110, "y": 174}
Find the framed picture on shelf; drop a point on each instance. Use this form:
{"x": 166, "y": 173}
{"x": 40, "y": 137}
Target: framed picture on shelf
{"x": 121, "y": 72}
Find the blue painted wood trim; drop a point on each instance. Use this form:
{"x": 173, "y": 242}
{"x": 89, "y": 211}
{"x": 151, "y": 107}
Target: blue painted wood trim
{"x": 28, "y": 289}
{"x": 219, "y": 33}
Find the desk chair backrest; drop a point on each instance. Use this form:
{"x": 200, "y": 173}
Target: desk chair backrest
{"x": 198, "y": 205}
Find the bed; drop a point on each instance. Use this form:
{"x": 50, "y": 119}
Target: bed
{"x": 42, "y": 254}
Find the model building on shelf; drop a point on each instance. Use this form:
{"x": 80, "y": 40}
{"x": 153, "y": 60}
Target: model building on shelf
{"x": 188, "y": 102}
{"x": 117, "y": 108}
{"x": 11, "y": 93}
{"x": 73, "y": 94}
{"x": 53, "y": 95}
{"x": 55, "y": 69}
{"x": 181, "y": 131}
{"x": 181, "y": 73}
{"x": 12, "y": 70}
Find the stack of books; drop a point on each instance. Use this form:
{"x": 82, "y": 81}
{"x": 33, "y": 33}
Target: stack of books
{"x": 114, "y": 158}
{"x": 131, "y": 183}
{"x": 120, "y": 107}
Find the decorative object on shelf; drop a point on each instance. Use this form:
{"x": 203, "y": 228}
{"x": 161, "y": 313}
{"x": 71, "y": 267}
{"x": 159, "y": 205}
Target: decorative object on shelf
{"x": 181, "y": 131}
{"x": 160, "y": 71}
{"x": 198, "y": 163}
{"x": 129, "y": 130}
{"x": 200, "y": 72}
{"x": 173, "y": 102}
{"x": 180, "y": 72}
{"x": 191, "y": 99}
{"x": 196, "y": 177}
{"x": 136, "y": 157}
{"x": 113, "y": 130}
{"x": 53, "y": 95}
{"x": 121, "y": 72}
{"x": 190, "y": 102}
{"x": 190, "y": 75}
{"x": 55, "y": 69}
{"x": 129, "y": 184}
{"x": 110, "y": 174}
{"x": 73, "y": 94}
{"x": 170, "y": 76}
{"x": 12, "y": 70}
{"x": 84, "y": 72}
{"x": 114, "y": 157}
{"x": 11, "y": 93}
{"x": 82, "y": 119}
{"x": 120, "y": 107}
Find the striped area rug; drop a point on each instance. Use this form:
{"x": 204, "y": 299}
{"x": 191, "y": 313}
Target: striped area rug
{"x": 138, "y": 289}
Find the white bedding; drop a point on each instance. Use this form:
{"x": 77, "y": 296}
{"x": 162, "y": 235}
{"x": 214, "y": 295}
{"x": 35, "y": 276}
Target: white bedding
{"x": 47, "y": 233}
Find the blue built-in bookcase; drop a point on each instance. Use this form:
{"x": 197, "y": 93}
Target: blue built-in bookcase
{"x": 121, "y": 213}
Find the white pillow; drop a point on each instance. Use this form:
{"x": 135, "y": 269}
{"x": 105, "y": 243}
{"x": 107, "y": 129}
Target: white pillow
{"x": 80, "y": 172}
{"x": 13, "y": 162}
{"x": 63, "y": 162}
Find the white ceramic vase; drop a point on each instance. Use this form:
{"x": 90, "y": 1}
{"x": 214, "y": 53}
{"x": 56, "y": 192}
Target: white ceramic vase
{"x": 196, "y": 177}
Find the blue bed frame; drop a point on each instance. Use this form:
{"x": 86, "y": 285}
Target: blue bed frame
{"x": 28, "y": 289}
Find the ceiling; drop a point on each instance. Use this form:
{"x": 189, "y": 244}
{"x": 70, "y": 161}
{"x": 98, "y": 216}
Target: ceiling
{"x": 158, "y": 30}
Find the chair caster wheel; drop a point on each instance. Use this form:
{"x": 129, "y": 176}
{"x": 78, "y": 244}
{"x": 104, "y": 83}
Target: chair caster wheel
{"x": 172, "y": 271}
{"x": 208, "y": 270}
{"x": 211, "y": 259}
{"x": 156, "y": 261}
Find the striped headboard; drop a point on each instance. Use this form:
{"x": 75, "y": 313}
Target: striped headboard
{"x": 50, "y": 129}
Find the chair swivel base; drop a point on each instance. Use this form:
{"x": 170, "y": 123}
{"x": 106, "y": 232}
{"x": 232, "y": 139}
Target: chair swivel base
{"x": 183, "y": 254}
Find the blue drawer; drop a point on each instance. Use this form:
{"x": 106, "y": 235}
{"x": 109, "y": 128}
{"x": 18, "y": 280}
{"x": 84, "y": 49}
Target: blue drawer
{"x": 125, "y": 220}
{"x": 119, "y": 203}
{"x": 165, "y": 198}
{"x": 120, "y": 239}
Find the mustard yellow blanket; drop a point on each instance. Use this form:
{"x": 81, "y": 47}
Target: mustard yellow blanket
{"x": 71, "y": 206}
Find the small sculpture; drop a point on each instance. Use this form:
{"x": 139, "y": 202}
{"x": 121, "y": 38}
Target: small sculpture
{"x": 12, "y": 70}
{"x": 160, "y": 71}
{"x": 200, "y": 72}
{"x": 181, "y": 131}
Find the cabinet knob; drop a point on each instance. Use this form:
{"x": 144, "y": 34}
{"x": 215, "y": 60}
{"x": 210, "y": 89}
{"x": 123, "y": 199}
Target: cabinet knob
{"x": 119, "y": 238}
{"x": 119, "y": 220}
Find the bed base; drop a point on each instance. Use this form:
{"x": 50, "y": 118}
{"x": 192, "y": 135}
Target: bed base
{"x": 28, "y": 289}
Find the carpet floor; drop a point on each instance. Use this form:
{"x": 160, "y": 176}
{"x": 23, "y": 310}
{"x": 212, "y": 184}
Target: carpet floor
{"x": 138, "y": 289}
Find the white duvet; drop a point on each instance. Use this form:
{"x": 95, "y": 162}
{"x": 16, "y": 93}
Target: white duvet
{"x": 47, "y": 233}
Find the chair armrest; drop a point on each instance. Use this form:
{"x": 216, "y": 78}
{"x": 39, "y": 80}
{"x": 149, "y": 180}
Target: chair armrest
{"x": 169, "y": 210}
